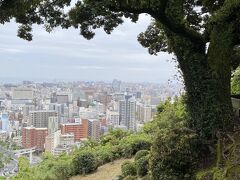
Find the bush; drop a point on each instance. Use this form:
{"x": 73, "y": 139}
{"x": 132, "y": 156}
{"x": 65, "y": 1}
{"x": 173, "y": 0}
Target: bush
{"x": 104, "y": 154}
{"x": 142, "y": 166}
{"x": 132, "y": 144}
{"x": 62, "y": 171}
{"x": 128, "y": 169}
{"x": 141, "y": 154}
{"x": 140, "y": 144}
{"x": 174, "y": 155}
{"x": 84, "y": 162}
{"x": 176, "y": 148}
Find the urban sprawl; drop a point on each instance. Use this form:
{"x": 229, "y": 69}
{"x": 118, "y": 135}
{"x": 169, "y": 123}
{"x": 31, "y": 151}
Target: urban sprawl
{"x": 57, "y": 117}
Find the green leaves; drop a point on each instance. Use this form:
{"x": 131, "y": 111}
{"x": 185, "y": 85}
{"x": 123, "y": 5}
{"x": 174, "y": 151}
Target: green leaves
{"x": 235, "y": 82}
{"x": 24, "y": 32}
{"x": 154, "y": 38}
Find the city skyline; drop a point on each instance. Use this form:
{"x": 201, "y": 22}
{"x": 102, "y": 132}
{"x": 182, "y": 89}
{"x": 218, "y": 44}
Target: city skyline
{"x": 65, "y": 55}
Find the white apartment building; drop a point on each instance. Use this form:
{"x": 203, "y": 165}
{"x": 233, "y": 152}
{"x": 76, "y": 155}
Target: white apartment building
{"x": 53, "y": 124}
{"x": 127, "y": 112}
{"x": 112, "y": 118}
{"x": 52, "y": 141}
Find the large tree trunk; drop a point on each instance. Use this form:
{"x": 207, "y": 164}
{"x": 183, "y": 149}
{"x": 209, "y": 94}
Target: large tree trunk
{"x": 207, "y": 81}
{"x": 208, "y": 99}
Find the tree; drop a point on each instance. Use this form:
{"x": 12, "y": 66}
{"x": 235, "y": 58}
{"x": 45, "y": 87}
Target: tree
{"x": 203, "y": 35}
{"x": 84, "y": 163}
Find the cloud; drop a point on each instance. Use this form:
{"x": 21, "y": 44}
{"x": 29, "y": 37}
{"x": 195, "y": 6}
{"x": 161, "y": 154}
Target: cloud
{"x": 65, "y": 55}
{"x": 10, "y": 50}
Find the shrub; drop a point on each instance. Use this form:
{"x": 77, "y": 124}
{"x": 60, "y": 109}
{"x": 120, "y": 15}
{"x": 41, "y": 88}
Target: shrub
{"x": 84, "y": 162}
{"x": 128, "y": 169}
{"x": 62, "y": 171}
{"x": 104, "y": 154}
{"x": 140, "y": 145}
{"x": 142, "y": 166}
{"x": 141, "y": 154}
{"x": 132, "y": 144}
{"x": 126, "y": 150}
{"x": 174, "y": 154}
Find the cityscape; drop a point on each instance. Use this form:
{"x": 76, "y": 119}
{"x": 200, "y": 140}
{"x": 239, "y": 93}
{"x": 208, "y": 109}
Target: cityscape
{"x": 58, "y": 117}
{"x": 120, "y": 90}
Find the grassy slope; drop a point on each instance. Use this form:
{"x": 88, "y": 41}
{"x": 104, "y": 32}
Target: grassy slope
{"x": 105, "y": 172}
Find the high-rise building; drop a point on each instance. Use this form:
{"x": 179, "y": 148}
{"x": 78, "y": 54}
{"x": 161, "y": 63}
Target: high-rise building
{"x": 80, "y": 130}
{"x": 144, "y": 112}
{"x": 34, "y": 137}
{"x": 94, "y": 129}
{"x": 59, "y": 108}
{"x": 127, "y": 112}
{"x": 112, "y": 118}
{"x": 52, "y": 141}
{"x": 53, "y": 124}
{"x": 26, "y": 109}
{"x": 39, "y": 119}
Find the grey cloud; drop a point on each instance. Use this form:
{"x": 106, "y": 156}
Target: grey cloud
{"x": 65, "y": 55}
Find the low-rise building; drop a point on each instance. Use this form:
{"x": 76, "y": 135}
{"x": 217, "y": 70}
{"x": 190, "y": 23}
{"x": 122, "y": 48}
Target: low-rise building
{"x": 66, "y": 139}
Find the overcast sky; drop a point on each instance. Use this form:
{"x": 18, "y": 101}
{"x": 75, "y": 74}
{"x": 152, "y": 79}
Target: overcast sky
{"x": 65, "y": 55}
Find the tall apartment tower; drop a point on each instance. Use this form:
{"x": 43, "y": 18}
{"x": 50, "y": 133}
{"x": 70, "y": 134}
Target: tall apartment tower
{"x": 127, "y": 112}
{"x": 26, "y": 109}
{"x": 112, "y": 118}
{"x": 94, "y": 129}
{"x": 53, "y": 124}
{"x": 40, "y": 119}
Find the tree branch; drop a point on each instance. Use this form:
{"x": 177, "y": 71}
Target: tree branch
{"x": 158, "y": 13}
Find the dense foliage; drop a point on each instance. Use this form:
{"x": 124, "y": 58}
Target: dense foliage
{"x": 116, "y": 144}
{"x": 129, "y": 169}
{"x": 50, "y": 168}
{"x": 176, "y": 149}
{"x": 85, "y": 163}
{"x": 203, "y": 35}
{"x": 141, "y": 154}
{"x": 142, "y": 166}
{"x": 235, "y": 83}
